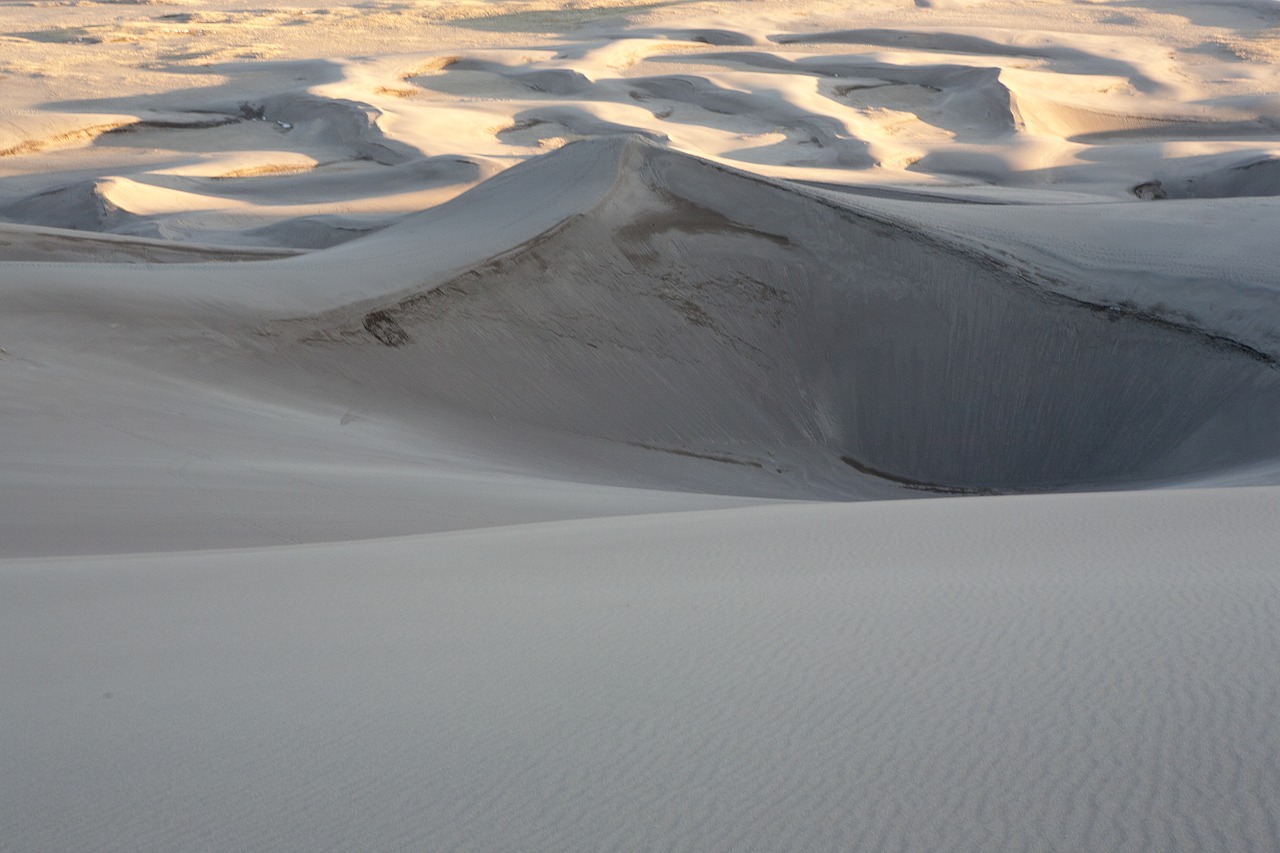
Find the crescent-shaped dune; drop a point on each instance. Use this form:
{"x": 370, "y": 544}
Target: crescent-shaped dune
{"x": 703, "y": 310}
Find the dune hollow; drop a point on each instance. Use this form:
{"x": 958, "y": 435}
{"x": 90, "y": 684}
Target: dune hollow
{"x": 707, "y": 312}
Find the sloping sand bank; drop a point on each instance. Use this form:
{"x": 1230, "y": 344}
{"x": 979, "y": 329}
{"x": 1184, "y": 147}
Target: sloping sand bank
{"x": 1067, "y": 672}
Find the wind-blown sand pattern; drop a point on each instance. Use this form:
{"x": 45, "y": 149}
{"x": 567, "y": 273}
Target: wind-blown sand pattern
{"x": 486, "y": 425}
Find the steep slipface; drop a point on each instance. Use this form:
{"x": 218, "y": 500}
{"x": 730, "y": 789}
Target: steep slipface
{"x": 81, "y": 206}
{"x": 702, "y": 312}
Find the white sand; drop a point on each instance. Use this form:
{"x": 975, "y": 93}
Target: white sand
{"x": 432, "y": 425}
{"x": 1078, "y": 672}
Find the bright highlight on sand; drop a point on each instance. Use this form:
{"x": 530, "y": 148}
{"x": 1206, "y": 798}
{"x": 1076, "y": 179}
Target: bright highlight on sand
{"x": 614, "y": 425}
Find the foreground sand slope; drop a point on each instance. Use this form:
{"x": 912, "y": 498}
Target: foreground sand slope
{"x": 1049, "y": 672}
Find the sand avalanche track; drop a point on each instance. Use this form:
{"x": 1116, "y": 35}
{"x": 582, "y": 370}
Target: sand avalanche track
{"x": 707, "y": 313}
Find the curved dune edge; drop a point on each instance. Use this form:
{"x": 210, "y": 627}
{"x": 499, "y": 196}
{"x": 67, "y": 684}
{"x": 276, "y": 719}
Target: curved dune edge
{"x": 33, "y": 243}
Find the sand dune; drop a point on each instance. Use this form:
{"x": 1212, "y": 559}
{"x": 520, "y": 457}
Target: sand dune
{"x": 27, "y": 134}
{"x": 708, "y": 312}
{"x": 1059, "y": 59}
{"x": 663, "y": 322}
{"x": 1253, "y": 177}
{"x": 488, "y": 425}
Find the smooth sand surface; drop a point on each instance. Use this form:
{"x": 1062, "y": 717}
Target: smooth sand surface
{"x": 697, "y": 425}
{"x": 1045, "y": 672}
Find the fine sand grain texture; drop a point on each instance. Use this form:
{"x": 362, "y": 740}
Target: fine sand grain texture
{"x": 504, "y": 425}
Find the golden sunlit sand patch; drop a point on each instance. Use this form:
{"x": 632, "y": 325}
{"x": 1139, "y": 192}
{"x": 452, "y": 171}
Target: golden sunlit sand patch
{"x": 269, "y": 169}
{"x": 1261, "y": 47}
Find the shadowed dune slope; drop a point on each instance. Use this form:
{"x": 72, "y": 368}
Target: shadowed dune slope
{"x": 710, "y": 313}
{"x": 1255, "y": 177}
